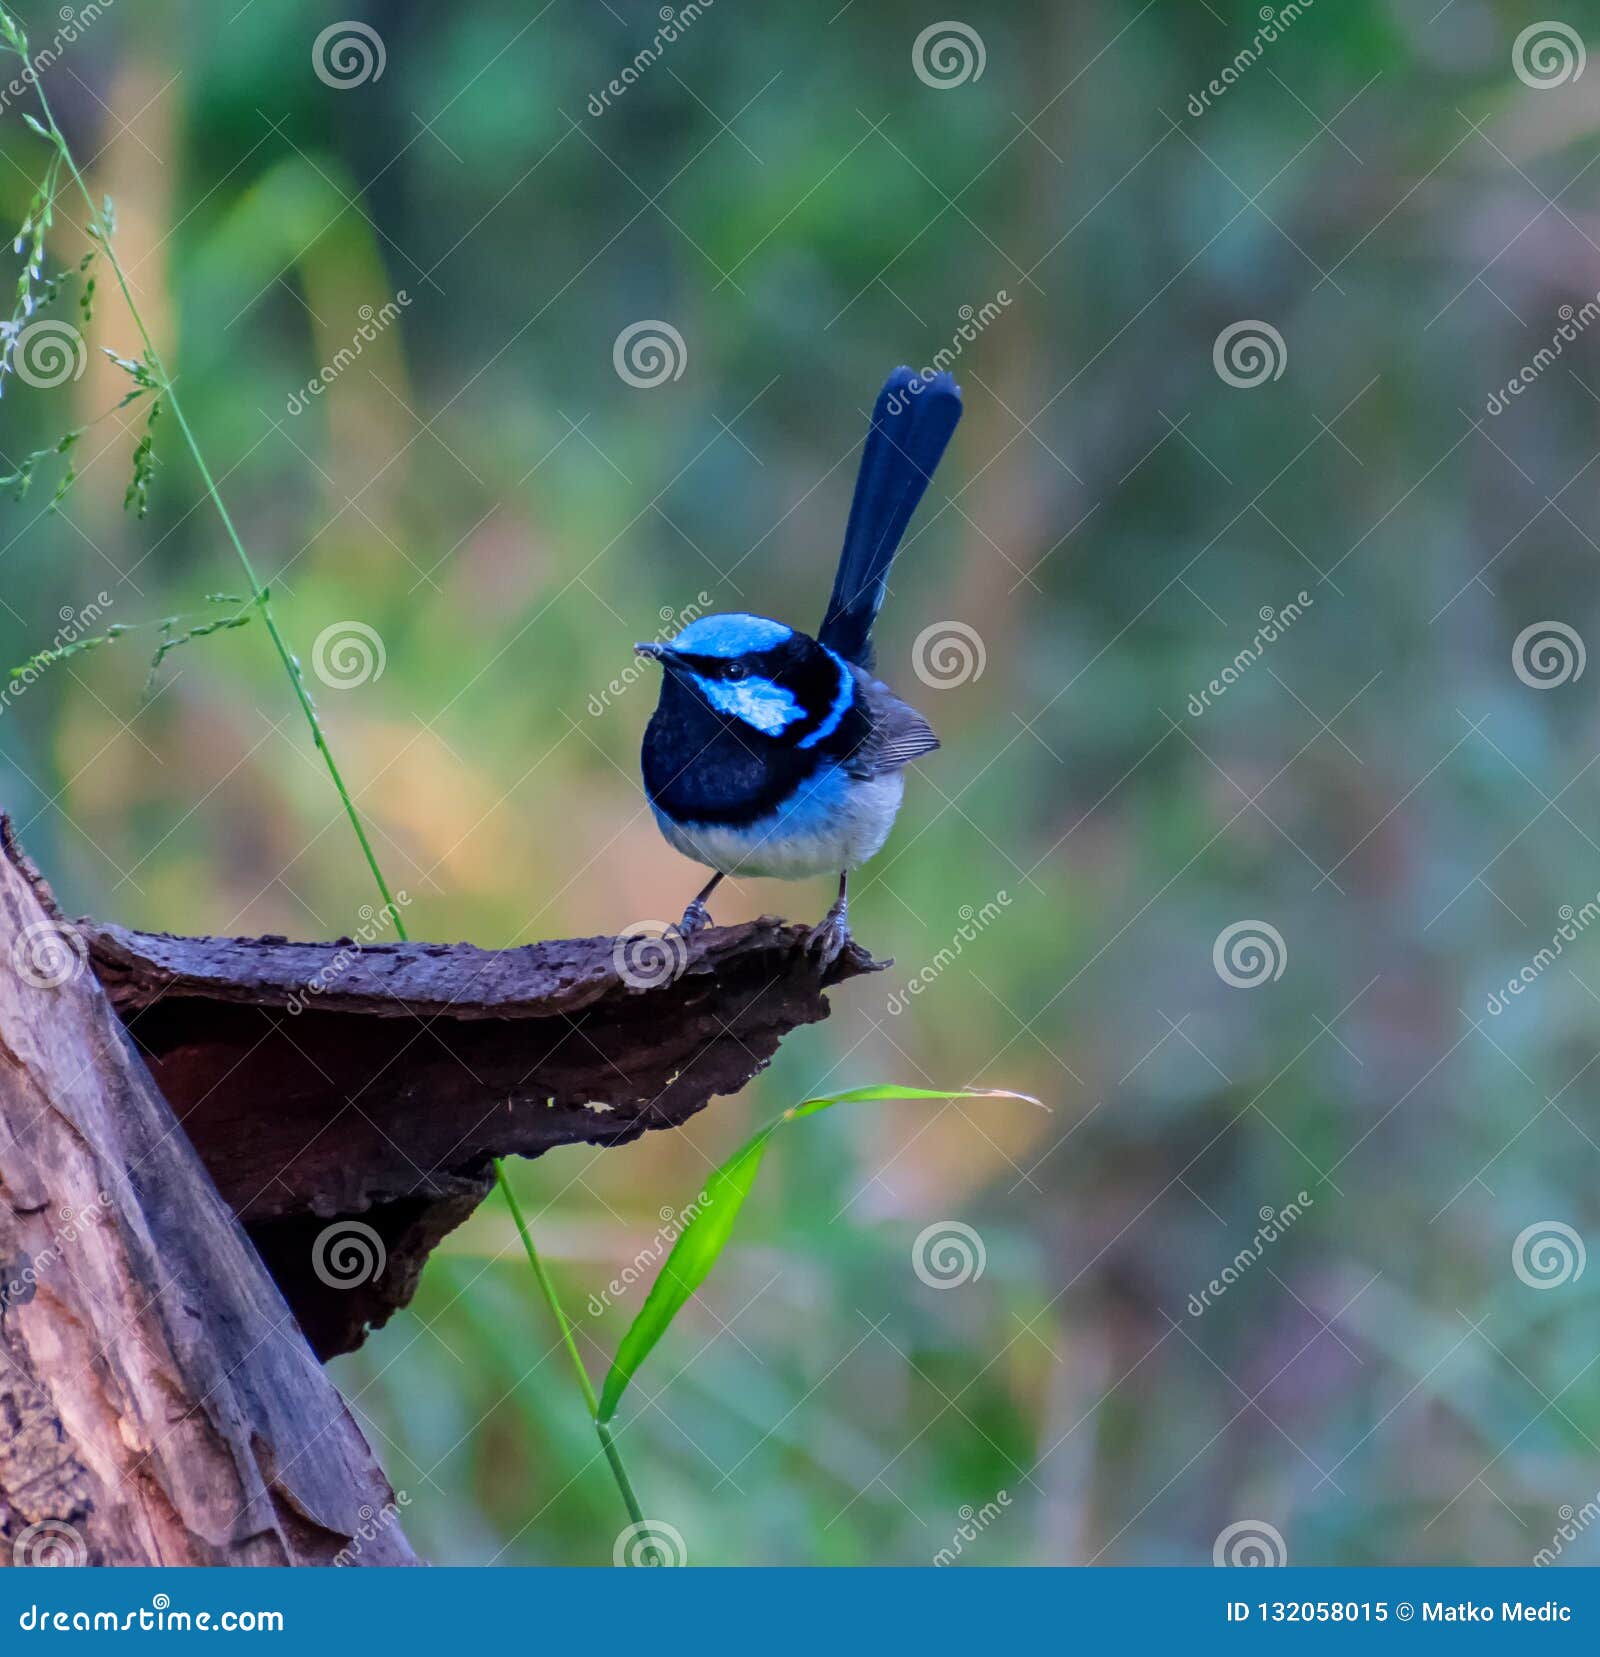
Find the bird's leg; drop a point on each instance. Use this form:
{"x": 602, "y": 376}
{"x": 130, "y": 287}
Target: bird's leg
{"x": 697, "y": 915}
{"x": 832, "y": 932}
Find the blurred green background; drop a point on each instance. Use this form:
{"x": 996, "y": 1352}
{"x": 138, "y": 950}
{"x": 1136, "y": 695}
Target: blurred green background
{"x": 482, "y": 488}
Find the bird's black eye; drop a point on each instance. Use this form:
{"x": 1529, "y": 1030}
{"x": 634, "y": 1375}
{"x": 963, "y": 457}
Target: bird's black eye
{"x": 735, "y": 670}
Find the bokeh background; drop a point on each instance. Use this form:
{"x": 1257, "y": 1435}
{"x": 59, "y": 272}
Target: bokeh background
{"x": 1380, "y": 786}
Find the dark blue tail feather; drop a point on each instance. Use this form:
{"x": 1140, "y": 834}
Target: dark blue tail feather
{"x": 911, "y": 425}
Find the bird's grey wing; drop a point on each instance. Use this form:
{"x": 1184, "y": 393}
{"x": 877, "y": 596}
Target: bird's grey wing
{"x": 898, "y": 735}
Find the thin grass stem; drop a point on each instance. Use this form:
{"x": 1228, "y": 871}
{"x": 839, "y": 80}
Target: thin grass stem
{"x": 101, "y": 231}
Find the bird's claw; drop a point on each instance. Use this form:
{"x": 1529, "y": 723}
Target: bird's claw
{"x": 826, "y": 940}
{"x": 695, "y": 917}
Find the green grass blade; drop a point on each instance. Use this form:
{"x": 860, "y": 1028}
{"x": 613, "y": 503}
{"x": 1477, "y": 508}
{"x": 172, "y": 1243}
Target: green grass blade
{"x": 696, "y": 1251}
{"x": 703, "y": 1238}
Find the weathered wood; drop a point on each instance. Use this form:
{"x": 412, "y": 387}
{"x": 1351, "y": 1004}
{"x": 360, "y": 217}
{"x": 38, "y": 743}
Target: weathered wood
{"x": 349, "y": 1099}
{"x": 157, "y": 1402}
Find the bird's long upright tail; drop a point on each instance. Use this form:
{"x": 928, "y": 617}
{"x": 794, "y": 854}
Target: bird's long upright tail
{"x": 911, "y": 425}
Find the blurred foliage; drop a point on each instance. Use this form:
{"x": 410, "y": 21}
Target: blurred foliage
{"x": 482, "y": 488}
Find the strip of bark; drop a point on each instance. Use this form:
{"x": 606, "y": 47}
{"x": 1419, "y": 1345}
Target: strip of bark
{"x": 331, "y": 1087}
{"x": 157, "y": 1403}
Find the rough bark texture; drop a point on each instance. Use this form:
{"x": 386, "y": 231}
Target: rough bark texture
{"x": 349, "y": 1100}
{"x": 157, "y": 1402}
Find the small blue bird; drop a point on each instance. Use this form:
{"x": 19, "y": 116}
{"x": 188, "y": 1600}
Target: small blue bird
{"x": 775, "y": 753}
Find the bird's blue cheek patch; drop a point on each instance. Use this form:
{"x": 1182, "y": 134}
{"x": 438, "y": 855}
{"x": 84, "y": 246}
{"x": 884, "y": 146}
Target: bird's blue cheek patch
{"x": 842, "y": 699}
{"x": 766, "y": 707}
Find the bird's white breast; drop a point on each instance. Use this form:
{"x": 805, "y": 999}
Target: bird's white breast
{"x": 831, "y": 822}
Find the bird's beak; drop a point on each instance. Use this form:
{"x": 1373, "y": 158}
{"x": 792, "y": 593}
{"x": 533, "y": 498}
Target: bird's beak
{"x": 655, "y": 652}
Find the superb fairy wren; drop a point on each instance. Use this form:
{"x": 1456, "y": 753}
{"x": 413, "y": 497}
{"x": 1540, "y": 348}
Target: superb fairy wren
{"x": 774, "y": 753}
